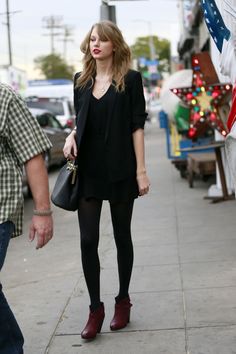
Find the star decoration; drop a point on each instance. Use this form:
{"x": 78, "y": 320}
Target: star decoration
{"x": 203, "y": 100}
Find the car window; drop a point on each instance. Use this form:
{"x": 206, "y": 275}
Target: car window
{"x": 54, "y": 107}
{"x": 53, "y": 122}
{"x": 48, "y": 120}
{"x": 71, "y": 109}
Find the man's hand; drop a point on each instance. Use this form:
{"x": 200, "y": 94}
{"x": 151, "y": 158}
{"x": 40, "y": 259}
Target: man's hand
{"x": 42, "y": 228}
{"x": 41, "y": 225}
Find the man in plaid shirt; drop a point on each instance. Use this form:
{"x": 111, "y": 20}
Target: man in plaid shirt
{"x": 22, "y": 142}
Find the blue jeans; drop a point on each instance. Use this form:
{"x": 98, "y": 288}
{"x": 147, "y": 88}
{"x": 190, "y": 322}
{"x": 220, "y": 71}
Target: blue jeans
{"x": 11, "y": 338}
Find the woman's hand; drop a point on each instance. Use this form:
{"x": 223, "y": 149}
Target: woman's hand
{"x": 70, "y": 147}
{"x": 143, "y": 183}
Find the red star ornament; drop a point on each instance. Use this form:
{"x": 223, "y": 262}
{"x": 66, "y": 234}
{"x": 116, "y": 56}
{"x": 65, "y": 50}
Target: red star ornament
{"x": 204, "y": 100}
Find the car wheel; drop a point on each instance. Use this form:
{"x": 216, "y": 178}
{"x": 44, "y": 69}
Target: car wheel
{"x": 29, "y": 193}
{"x": 47, "y": 159}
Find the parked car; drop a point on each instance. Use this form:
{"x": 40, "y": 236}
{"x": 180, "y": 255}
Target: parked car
{"x": 56, "y": 134}
{"x": 61, "y": 107}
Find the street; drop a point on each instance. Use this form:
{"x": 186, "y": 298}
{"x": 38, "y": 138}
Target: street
{"x": 183, "y": 288}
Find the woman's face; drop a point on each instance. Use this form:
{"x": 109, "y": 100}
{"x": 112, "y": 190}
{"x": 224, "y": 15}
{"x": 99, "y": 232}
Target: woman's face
{"x": 100, "y": 49}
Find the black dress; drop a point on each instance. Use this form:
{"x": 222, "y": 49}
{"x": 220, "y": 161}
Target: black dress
{"x": 92, "y": 158}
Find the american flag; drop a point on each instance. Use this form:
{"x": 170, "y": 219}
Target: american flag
{"x": 215, "y": 23}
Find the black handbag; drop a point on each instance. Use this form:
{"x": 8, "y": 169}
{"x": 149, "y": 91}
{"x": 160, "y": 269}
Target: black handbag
{"x": 65, "y": 191}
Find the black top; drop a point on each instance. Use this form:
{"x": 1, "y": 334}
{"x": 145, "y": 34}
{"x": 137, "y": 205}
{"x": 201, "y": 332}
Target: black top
{"x": 93, "y": 158}
{"x": 126, "y": 113}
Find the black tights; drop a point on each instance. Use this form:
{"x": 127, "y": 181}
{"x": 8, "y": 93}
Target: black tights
{"x": 89, "y": 213}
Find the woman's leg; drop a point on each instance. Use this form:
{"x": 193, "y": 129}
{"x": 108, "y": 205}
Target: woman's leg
{"x": 121, "y": 214}
{"x": 89, "y": 213}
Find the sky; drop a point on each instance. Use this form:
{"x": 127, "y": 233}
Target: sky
{"x": 134, "y": 18}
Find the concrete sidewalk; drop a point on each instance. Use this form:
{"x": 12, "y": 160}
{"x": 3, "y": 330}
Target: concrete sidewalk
{"x": 183, "y": 287}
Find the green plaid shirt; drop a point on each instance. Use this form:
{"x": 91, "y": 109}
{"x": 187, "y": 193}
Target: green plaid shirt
{"x": 21, "y": 138}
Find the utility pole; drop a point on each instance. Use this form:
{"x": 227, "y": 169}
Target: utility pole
{"x": 8, "y": 24}
{"x": 9, "y": 32}
{"x": 53, "y": 23}
{"x": 67, "y": 37}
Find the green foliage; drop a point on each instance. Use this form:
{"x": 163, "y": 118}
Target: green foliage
{"x": 53, "y": 66}
{"x": 141, "y": 48}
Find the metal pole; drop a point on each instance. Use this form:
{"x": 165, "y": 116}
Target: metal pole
{"x": 107, "y": 12}
{"x": 152, "y": 51}
{"x": 9, "y": 32}
{"x": 52, "y": 40}
{"x": 151, "y": 43}
{"x": 181, "y": 14}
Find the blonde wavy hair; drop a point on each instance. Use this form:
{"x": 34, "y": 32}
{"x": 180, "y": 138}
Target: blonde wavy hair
{"x": 107, "y": 30}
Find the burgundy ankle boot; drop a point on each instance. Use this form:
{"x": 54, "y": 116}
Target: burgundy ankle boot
{"x": 94, "y": 323}
{"x": 122, "y": 314}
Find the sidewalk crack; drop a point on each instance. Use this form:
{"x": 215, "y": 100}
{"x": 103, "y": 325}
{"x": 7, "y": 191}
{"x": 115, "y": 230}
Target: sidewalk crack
{"x": 180, "y": 269}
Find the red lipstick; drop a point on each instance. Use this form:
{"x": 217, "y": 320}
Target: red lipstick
{"x": 96, "y": 51}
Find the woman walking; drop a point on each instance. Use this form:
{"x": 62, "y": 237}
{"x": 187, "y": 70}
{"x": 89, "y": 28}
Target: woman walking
{"x": 108, "y": 143}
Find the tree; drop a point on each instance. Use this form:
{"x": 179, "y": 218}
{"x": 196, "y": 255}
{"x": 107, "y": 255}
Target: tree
{"x": 141, "y": 48}
{"x": 53, "y": 66}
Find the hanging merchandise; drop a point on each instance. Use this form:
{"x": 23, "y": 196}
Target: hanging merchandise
{"x": 215, "y": 23}
{"x": 232, "y": 116}
{"x": 224, "y": 37}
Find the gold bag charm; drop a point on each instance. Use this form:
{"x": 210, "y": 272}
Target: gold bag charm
{"x": 72, "y": 167}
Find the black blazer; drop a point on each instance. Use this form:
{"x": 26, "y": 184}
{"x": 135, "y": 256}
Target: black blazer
{"x": 126, "y": 114}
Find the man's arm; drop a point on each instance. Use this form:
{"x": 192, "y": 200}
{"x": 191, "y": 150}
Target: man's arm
{"x": 41, "y": 224}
